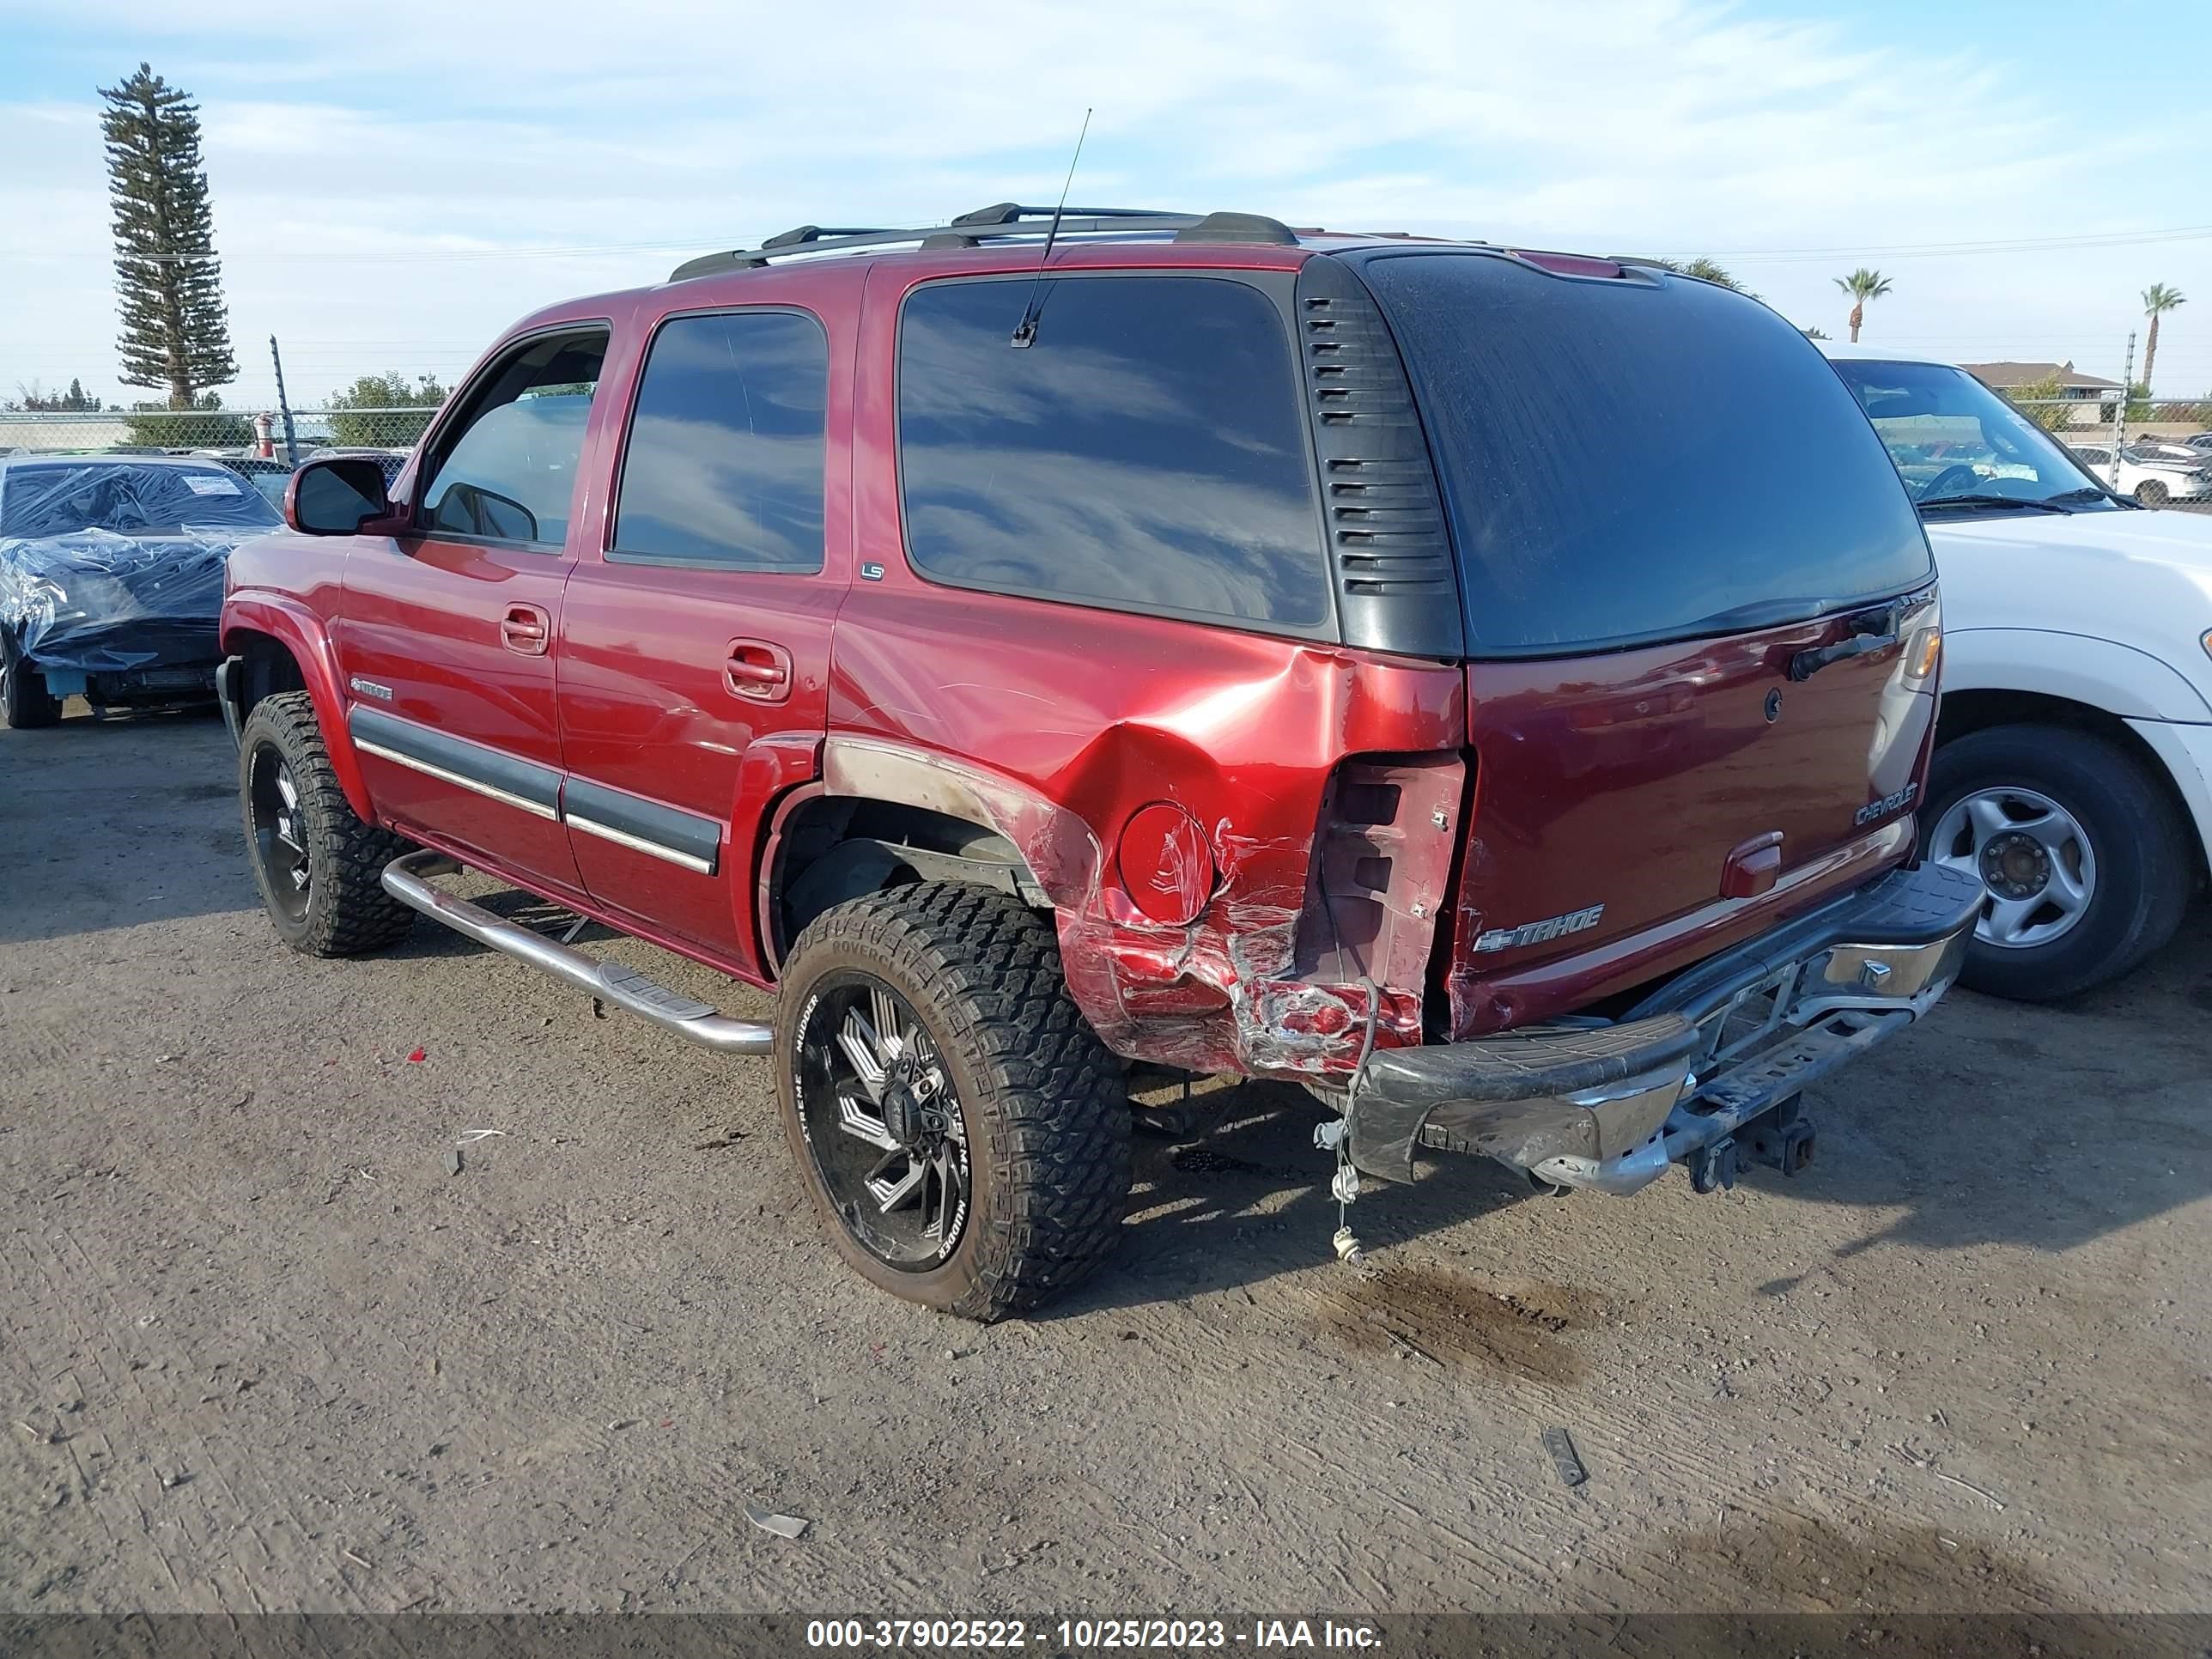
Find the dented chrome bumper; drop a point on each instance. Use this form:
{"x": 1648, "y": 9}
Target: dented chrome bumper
{"x": 1609, "y": 1106}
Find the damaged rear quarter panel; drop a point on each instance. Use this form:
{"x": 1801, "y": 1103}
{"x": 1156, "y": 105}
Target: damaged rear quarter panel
{"x": 1066, "y": 721}
{"x": 1056, "y": 724}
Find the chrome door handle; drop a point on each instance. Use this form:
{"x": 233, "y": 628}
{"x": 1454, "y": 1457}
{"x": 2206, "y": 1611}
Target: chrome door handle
{"x": 757, "y": 670}
{"x": 526, "y": 629}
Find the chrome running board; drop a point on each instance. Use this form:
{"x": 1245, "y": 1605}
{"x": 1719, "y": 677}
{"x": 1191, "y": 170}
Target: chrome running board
{"x": 407, "y": 879}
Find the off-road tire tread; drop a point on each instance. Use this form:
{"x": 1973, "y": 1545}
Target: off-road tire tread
{"x": 353, "y": 914}
{"x": 1059, "y": 1121}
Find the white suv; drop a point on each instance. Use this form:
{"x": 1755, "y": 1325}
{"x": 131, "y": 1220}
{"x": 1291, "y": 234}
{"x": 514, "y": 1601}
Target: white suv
{"x": 2073, "y": 771}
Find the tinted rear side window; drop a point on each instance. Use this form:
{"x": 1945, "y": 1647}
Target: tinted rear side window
{"x": 1148, "y": 453}
{"x": 1625, "y": 462}
{"x": 724, "y": 465}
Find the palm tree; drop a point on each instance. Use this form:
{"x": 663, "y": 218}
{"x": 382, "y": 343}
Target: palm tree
{"x": 2158, "y": 299}
{"x": 1861, "y": 285}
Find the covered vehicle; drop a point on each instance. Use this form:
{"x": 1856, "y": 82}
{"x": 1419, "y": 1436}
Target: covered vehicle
{"x": 112, "y": 577}
{"x": 266, "y": 473}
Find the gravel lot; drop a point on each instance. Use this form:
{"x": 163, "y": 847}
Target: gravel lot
{"x": 263, "y": 1352}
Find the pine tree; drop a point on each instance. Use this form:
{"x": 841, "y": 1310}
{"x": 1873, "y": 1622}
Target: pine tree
{"x": 176, "y": 331}
{"x": 35, "y": 399}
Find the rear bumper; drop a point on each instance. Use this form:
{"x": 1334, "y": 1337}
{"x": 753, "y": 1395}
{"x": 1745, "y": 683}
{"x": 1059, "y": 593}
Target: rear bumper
{"x": 161, "y": 683}
{"x": 124, "y": 645}
{"x": 1610, "y": 1106}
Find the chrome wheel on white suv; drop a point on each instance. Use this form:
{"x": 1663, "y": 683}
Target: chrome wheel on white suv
{"x": 2029, "y": 853}
{"x": 2080, "y": 851}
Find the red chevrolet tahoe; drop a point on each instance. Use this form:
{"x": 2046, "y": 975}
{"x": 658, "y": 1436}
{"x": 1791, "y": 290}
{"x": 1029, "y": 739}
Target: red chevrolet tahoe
{"x": 1489, "y": 687}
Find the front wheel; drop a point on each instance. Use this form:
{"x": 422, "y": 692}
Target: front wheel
{"x": 2150, "y": 493}
{"x": 961, "y": 1130}
{"x": 2082, "y": 860}
{"x": 319, "y": 867}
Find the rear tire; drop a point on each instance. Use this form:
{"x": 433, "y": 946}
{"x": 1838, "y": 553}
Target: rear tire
{"x": 1041, "y": 1119}
{"x": 2141, "y": 864}
{"x": 25, "y": 702}
{"x": 319, "y": 867}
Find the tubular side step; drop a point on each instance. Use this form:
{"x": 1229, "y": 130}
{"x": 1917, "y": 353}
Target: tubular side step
{"x": 407, "y": 879}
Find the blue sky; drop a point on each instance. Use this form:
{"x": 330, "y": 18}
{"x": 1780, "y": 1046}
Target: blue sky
{"x": 393, "y": 184}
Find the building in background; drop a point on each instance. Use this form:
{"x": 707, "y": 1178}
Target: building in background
{"x": 2095, "y": 394}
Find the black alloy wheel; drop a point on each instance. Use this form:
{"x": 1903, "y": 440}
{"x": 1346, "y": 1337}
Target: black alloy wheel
{"x": 280, "y": 840}
{"x": 883, "y": 1123}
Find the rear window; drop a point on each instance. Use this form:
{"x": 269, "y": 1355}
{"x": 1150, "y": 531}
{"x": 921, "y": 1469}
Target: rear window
{"x": 1627, "y": 462}
{"x": 1148, "y": 453}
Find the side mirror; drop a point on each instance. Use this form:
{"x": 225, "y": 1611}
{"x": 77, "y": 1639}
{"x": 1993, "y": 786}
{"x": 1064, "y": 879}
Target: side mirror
{"x": 336, "y": 498}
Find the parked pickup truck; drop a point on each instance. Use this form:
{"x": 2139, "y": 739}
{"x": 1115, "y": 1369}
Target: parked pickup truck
{"x": 1032, "y": 648}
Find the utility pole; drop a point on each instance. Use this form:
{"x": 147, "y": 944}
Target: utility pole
{"x": 292, "y": 441}
{"x": 2120, "y": 426}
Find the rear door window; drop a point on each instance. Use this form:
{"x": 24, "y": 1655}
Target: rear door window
{"x": 1148, "y": 453}
{"x": 506, "y": 470}
{"x": 1627, "y": 461}
{"x": 724, "y": 463}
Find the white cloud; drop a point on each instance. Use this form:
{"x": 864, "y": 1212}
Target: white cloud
{"x": 345, "y": 152}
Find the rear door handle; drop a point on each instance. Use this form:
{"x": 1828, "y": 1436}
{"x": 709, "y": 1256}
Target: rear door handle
{"x": 757, "y": 670}
{"x": 526, "y": 629}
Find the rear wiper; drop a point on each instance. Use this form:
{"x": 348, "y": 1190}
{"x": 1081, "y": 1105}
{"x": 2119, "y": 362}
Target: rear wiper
{"x": 2050, "y": 505}
{"x": 1759, "y": 613}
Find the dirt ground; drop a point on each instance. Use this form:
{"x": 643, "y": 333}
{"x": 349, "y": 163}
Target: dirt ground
{"x": 262, "y": 1351}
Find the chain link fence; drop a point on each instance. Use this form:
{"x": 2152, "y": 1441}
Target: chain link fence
{"x": 2156, "y": 452}
{"x": 213, "y": 431}
{"x": 2065, "y": 417}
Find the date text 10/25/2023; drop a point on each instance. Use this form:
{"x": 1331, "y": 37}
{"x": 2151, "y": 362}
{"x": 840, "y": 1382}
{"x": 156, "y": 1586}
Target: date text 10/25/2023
{"x": 1089, "y": 1635}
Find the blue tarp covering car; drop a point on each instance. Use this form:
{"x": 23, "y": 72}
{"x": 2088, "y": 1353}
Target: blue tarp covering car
{"x": 112, "y": 576}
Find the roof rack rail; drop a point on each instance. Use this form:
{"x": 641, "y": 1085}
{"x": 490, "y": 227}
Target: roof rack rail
{"x": 798, "y": 234}
{"x": 1010, "y": 213}
{"x": 999, "y": 221}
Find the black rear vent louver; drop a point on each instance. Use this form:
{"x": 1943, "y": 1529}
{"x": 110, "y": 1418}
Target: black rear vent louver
{"x": 1395, "y": 585}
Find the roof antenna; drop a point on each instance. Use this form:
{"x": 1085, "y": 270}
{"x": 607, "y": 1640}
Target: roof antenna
{"x": 1025, "y": 330}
